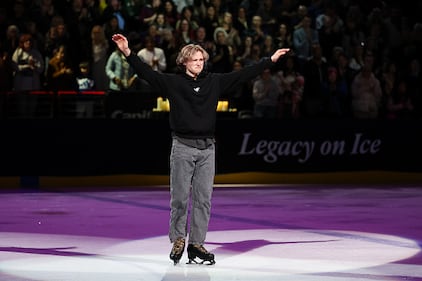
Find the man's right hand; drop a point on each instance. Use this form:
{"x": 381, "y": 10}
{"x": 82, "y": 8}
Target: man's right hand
{"x": 122, "y": 43}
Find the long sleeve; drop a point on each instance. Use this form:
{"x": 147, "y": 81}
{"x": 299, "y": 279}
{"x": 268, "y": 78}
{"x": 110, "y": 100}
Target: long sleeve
{"x": 230, "y": 81}
{"x": 146, "y": 72}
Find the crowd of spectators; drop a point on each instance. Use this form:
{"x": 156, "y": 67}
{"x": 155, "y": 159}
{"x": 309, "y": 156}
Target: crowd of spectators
{"x": 349, "y": 58}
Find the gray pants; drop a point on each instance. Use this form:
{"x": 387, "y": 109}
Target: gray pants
{"x": 192, "y": 173}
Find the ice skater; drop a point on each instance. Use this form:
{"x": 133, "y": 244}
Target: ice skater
{"x": 193, "y": 95}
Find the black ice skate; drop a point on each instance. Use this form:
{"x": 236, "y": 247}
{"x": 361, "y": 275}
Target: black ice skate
{"x": 198, "y": 251}
{"x": 177, "y": 250}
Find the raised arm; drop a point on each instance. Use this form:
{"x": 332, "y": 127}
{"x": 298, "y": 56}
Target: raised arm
{"x": 279, "y": 53}
{"x": 232, "y": 79}
{"x": 143, "y": 70}
{"x": 122, "y": 43}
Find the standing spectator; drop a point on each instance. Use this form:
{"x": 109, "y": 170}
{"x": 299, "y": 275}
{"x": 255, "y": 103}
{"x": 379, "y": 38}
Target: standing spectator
{"x": 152, "y": 32}
{"x": 84, "y": 107}
{"x": 388, "y": 80}
{"x": 240, "y": 22}
{"x": 344, "y": 73}
{"x": 111, "y": 27}
{"x": 366, "y": 91}
{"x": 56, "y": 36}
{"x": 353, "y": 34}
{"x": 254, "y": 56}
{"x": 315, "y": 72}
{"x": 268, "y": 12}
{"x": 148, "y": 13}
{"x": 181, "y": 4}
{"x": 266, "y": 93}
{"x": 356, "y": 60}
{"x": 11, "y": 42}
{"x": 47, "y": 11}
{"x": 233, "y": 37}
{"x": 184, "y": 32}
{"x": 222, "y": 58}
{"x": 84, "y": 78}
{"x": 121, "y": 74}
{"x": 283, "y": 38}
{"x": 241, "y": 98}
{"x": 187, "y": 14}
{"x": 161, "y": 24}
{"x": 115, "y": 8}
{"x": 268, "y": 46}
{"x": 201, "y": 39}
{"x": 18, "y": 14}
{"x": 170, "y": 45}
{"x": 94, "y": 11}
{"x": 170, "y": 13}
{"x": 79, "y": 24}
{"x": 28, "y": 65}
{"x": 292, "y": 86}
{"x": 60, "y": 73}
{"x": 6, "y": 72}
{"x": 296, "y": 14}
{"x": 210, "y": 21}
{"x": 132, "y": 9}
{"x": 256, "y": 31}
{"x": 399, "y": 104}
{"x": 304, "y": 38}
{"x": 413, "y": 75}
{"x": 153, "y": 56}
{"x": 335, "y": 94}
{"x": 330, "y": 32}
{"x": 245, "y": 49}
{"x": 38, "y": 38}
{"x": 99, "y": 56}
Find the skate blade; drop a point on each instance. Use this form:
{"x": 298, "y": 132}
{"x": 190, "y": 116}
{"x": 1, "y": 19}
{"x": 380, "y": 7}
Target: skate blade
{"x": 204, "y": 262}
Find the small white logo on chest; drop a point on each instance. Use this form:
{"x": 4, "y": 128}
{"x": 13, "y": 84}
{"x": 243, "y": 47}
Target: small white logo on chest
{"x": 196, "y": 89}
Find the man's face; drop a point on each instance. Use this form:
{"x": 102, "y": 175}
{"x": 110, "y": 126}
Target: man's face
{"x": 195, "y": 64}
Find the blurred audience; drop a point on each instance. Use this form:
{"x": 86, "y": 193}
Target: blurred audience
{"x": 247, "y": 30}
{"x": 266, "y": 93}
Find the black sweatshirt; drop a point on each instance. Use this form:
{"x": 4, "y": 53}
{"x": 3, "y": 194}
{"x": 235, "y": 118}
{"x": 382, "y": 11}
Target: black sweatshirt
{"x": 193, "y": 102}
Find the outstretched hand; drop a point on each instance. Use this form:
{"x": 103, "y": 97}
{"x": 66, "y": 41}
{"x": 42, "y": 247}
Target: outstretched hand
{"x": 122, "y": 43}
{"x": 279, "y": 53}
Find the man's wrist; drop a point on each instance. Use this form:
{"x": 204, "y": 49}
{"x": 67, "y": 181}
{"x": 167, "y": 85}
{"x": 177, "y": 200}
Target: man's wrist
{"x": 126, "y": 52}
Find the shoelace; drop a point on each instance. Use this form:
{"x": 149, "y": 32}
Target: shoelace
{"x": 178, "y": 245}
{"x": 201, "y": 249}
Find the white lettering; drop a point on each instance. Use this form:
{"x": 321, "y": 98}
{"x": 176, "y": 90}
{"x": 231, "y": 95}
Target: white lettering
{"x": 361, "y": 146}
{"x": 120, "y": 114}
{"x": 332, "y": 148}
{"x": 245, "y": 144}
{"x": 272, "y": 150}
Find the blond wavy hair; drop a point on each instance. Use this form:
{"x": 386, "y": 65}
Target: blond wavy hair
{"x": 188, "y": 51}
